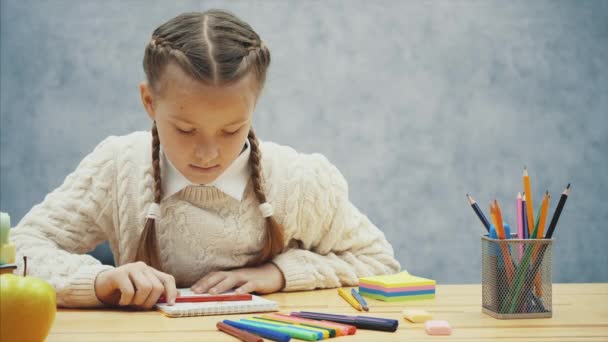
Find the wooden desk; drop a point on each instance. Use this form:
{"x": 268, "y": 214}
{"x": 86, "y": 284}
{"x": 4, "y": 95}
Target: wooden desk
{"x": 580, "y": 313}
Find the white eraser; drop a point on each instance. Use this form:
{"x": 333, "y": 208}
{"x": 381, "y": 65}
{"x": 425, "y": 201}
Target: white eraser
{"x": 438, "y": 328}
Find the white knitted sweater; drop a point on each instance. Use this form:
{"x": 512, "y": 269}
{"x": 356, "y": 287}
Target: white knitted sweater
{"x": 328, "y": 242}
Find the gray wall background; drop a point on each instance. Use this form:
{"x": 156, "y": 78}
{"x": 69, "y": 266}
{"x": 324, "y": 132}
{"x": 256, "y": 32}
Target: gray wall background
{"x": 417, "y": 103}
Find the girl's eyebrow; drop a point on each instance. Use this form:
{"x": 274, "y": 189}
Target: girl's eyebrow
{"x": 174, "y": 117}
{"x": 237, "y": 122}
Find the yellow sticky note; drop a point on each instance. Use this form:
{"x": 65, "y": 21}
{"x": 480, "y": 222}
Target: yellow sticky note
{"x": 401, "y": 279}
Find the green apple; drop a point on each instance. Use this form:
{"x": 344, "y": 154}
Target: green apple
{"x": 27, "y": 308}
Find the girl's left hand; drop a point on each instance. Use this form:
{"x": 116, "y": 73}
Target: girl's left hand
{"x": 262, "y": 279}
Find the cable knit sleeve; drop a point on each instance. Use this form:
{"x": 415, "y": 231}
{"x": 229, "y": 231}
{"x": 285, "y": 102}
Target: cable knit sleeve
{"x": 331, "y": 243}
{"x": 71, "y": 220}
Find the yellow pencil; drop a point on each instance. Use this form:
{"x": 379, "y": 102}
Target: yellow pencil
{"x": 350, "y": 299}
{"x": 529, "y": 206}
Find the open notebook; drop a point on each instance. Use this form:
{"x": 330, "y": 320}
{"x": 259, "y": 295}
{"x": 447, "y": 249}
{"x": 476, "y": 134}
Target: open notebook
{"x": 257, "y": 304}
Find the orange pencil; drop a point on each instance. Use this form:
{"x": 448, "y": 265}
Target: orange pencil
{"x": 529, "y": 203}
{"x": 499, "y": 219}
{"x": 500, "y": 233}
{"x": 544, "y": 208}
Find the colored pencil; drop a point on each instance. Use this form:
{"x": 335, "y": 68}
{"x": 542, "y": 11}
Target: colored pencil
{"x": 294, "y": 332}
{"x": 479, "y": 213}
{"x": 350, "y": 299}
{"x": 270, "y": 334}
{"x": 505, "y": 249}
{"x": 339, "y": 329}
{"x": 210, "y": 298}
{"x": 359, "y": 299}
{"x": 524, "y": 216}
{"x": 520, "y": 223}
{"x": 508, "y": 305}
{"x": 558, "y": 212}
{"x": 543, "y": 216}
{"x": 538, "y": 285}
{"x": 322, "y": 333}
{"x": 238, "y": 333}
{"x": 529, "y": 201}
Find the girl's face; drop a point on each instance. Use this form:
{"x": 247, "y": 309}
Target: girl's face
{"x": 202, "y": 128}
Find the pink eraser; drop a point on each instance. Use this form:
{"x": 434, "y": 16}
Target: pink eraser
{"x": 438, "y": 328}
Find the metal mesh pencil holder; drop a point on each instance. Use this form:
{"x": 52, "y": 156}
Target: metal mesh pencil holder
{"x": 516, "y": 278}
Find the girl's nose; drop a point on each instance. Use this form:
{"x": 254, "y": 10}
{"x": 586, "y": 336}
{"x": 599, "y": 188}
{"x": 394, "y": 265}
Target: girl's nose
{"x": 206, "y": 153}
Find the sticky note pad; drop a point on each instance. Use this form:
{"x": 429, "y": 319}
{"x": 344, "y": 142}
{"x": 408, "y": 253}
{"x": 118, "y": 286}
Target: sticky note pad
{"x": 417, "y": 316}
{"x": 438, "y": 328}
{"x": 397, "y": 287}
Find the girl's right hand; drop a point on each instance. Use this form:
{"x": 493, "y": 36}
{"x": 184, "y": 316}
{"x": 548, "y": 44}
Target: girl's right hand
{"x": 135, "y": 284}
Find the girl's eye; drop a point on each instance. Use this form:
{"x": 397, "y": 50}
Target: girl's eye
{"x": 231, "y": 132}
{"x": 190, "y": 132}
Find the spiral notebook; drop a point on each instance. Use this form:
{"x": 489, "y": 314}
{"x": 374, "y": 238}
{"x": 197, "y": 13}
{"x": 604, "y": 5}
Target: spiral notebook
{"x": 256, "y": 304}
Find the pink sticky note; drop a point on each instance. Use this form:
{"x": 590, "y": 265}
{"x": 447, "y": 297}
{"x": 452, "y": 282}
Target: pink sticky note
{"x": 438, "y": 328}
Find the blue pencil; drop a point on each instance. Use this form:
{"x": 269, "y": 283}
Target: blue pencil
{"x": 359, "y": 299}
{"x": 477, "y": 210}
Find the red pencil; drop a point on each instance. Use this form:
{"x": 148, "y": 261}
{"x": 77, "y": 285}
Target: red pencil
{"x": 210, "y": 298}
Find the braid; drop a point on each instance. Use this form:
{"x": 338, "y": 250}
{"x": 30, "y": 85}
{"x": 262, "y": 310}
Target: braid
{"x": 147, "y": 250}
{"x": 156, "y": 163}
{"x": 274, "y": 231}
{"x": 256, "y": 58}
{"x": 161, "y": 50}
{"x": 214, "y": 47}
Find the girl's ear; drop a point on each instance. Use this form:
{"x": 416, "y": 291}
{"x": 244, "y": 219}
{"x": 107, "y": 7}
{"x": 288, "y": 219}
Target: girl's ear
{"x": 146, "y": 99}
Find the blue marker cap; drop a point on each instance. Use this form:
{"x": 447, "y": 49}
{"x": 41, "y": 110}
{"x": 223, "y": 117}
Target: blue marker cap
{"x": 494, "y": 235}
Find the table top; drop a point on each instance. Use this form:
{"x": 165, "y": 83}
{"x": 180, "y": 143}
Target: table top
{"x": 580, "y": 313}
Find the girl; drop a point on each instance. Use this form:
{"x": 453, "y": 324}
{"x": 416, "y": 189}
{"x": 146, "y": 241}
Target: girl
{"x": 193, "y": 208}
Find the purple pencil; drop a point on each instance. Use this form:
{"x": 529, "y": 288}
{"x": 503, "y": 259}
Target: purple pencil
{"x": 520, "y": 223}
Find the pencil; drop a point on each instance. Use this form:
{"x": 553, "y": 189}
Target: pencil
{"x": 543, "y": 216}
{"x": 500, "y": 224}
{"x": 520, "y": 223}
{"x": 238, "y": 333}
{"x": 479, "y": 213}
{"x": 529, "y": 202}
{"x": 520, "y": 274}
{"x": 558, "y": 212}
{"x": 359, "y": 299}
{"x": 505, "y": 250}
{"x": 211, "y": 298}
{"x": 549, "y": 235}
{"x": 524, "y": 216}
{"x": 350, "y": 299}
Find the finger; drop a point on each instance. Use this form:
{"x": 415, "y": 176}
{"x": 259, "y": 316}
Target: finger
{"x": 248, "y": 287}
{"x": 156, "y": 291}
{"x": 168, "y": 282}
{"x": 143, "y": 286}
{"x": 228, "y": 283}
{"x": 208, "y": 281}
{"x": 124, "y": 284}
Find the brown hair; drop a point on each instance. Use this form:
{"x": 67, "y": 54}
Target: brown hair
{"x": 216, "y": 48}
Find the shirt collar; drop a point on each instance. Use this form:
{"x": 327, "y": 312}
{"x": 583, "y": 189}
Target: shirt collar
{"x": 232, "y": 181}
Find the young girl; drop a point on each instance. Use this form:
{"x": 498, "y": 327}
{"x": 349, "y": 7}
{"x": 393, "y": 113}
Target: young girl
{"x": 199, "y": 202}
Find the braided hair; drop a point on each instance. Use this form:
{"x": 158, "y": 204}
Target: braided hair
{"x": 216, "y": 48}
